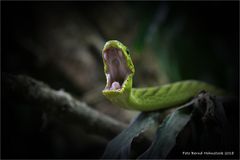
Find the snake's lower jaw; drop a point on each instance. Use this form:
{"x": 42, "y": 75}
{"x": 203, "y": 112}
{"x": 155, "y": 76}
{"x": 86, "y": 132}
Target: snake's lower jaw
{"x": 116, "y": 86}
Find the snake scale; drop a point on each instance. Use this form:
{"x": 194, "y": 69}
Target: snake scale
{"x": 119, "y": 71}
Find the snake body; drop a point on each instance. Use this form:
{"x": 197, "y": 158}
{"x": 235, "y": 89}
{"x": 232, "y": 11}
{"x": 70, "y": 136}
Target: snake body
{"x": 119, "y": 70}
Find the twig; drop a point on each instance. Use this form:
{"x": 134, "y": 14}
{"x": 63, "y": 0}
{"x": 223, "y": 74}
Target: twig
{"x": 61, "y": 105}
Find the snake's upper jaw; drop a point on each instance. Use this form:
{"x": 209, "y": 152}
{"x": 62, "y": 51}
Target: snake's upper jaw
{"x": 117, "y": 69}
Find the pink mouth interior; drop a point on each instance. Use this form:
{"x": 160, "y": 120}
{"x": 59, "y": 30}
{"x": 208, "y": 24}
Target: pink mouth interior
{"x": 117, "y": 70}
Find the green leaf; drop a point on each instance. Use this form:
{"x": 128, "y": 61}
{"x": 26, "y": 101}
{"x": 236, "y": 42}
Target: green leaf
{"x": 166, "y": 134}
{"x": 119, "y": 147}
{"x": 199, "y": 125}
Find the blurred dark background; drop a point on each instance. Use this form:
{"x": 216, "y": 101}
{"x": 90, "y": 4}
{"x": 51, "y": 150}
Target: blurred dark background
{"x": 60, "y": 44}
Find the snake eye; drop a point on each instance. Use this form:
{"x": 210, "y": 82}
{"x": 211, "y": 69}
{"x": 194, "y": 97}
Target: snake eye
{"x": 127, "y": 51}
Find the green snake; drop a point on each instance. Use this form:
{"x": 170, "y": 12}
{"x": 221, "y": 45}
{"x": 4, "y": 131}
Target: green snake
{"x": 119, "y": 71}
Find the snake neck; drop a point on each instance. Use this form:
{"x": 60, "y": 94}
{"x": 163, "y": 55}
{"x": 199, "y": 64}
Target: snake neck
{"x": 161, "y": 97}
{"x": 168, "y": 96}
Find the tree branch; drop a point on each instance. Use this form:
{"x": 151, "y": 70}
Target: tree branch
{"x": 61, "y": 105}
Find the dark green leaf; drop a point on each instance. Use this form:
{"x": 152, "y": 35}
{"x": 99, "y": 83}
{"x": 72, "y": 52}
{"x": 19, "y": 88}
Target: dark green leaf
{"x": 119, "y": 147}
{"x": 166, "y": 134}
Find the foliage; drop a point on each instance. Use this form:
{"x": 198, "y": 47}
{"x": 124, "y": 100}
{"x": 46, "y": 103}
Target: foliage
{"x": 200, "y": 126}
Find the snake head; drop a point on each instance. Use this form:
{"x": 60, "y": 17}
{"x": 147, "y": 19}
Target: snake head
{"x": 118, "y": 67}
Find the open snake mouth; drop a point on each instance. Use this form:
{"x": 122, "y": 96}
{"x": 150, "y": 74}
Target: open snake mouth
{"x": 117, "y": 68}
